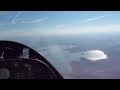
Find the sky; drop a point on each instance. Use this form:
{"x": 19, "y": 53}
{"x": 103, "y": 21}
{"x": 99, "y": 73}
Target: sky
{"x": 23, "y": 23}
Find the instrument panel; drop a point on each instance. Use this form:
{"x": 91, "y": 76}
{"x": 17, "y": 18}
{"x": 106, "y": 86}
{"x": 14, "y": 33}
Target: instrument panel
{"x": 18, "y": 61}
{"x": 24, "y": 69}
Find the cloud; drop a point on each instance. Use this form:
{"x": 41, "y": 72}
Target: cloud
{"x": 16, "y": 16}
{"x": 91, "y": 19}
{"x": 65, "y": 31}
{"x": 17, "y": 20}
{"x": 86, "y": 20}
{"x": 95, "y": 55}
{"x": 35, "y": 21}
{"x": 9, "y": 23}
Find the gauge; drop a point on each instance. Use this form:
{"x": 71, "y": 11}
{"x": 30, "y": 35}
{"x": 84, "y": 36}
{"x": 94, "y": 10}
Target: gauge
{"x": 15, "y": 64}
{"x": 4, "y": 73}
{"x": 28, "y": 66}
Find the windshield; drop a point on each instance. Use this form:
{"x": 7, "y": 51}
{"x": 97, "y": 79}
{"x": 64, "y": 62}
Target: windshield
{"x": 79, "y": 44}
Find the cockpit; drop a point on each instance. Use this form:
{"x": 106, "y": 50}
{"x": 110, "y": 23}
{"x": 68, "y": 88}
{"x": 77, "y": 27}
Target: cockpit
{"x": 18, "y": 61}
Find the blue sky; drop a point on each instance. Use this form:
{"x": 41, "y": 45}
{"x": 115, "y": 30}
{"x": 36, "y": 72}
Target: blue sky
{"x": 57, "y": 22}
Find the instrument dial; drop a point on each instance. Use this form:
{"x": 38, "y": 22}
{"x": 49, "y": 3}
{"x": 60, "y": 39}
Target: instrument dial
{"x": 4, "y": 73}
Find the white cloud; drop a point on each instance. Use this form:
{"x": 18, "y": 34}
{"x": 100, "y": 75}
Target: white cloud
{"x": 65, "y": 31}
{"x": 87, "y": 20}
{"x": 16, "y": 16}
{"x": 17, "y": 20}
{"x": 35, "y": 21}
{"x": 91, "y": 19}
{"x": 95, "y": 55}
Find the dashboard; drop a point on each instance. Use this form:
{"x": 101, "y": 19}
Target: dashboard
{"x": 25, "y": 69}
{"x": 18, "y": 61}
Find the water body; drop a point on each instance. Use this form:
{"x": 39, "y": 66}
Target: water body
{"x": 60, "y": 58}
